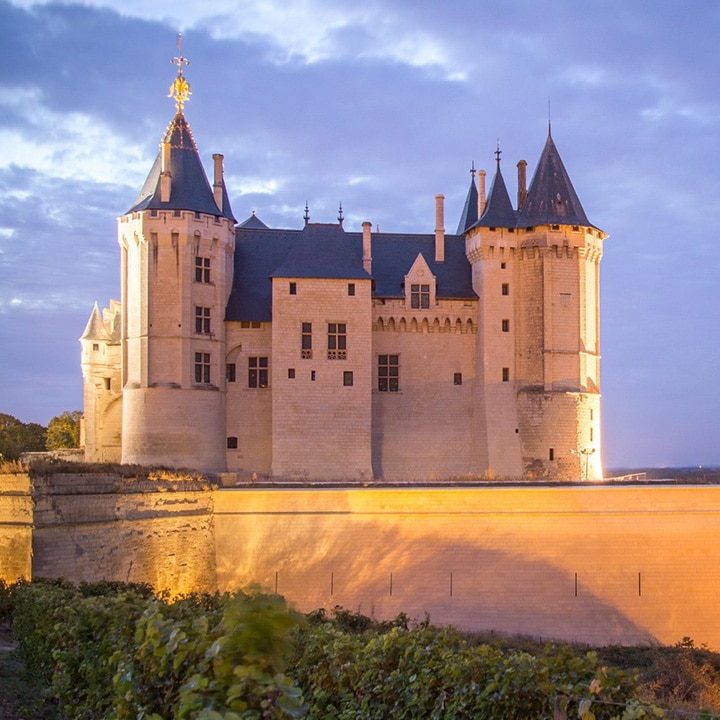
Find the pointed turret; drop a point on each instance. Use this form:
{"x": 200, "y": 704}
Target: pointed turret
{"x": 95, "y": 328}
{"x": 499, "y": 211}
{"x": 470, "y": 210}
{"x": 551, "y": 198}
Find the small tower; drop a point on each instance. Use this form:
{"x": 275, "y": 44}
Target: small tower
{"x": 177, "y": 243}
{"x": 102, "y": 392}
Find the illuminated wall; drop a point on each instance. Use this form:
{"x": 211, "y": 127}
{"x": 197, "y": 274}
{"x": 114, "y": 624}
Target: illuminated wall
{"x": 16, "y": 518}
{"x": 595, "y": 564}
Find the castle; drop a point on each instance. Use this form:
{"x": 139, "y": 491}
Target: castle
{"x": 325, "y": 354}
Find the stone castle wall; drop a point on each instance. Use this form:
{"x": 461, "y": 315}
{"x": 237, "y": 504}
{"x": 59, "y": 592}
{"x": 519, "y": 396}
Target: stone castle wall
{"x": 16, "y": 518}
{"x": 598, "y": 564}
{"x": 101, "y": 527}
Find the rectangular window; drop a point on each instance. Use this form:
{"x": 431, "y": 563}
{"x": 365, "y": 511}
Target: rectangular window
{"x": 257, "y": 372}
{"x": 202, "y": 320}
{"x": 202, "y": 269}
{"x": 107, "y": 382}
{"x": 506, "y": 288}
{"x": 96, "y": 347}
{"x": 457, "y": 379}
{"x": 351, "y": 288}
{"x": 306, "y": 341}
{"x": 506, "y": 326}
{"x": 337, "y": 341}
{"x": 202, "y": 367}
{"x": 591, "y": 434}
{"x": 348, "y": 379}
{"x": 291, "y": 373}
{"x": 503, "y": 265}
{"x": 388, "y": 373}
{"x": 232, "y": 443}
{"x": 551, "y": 454}
{"x": 293, "y": 288}
{"x": 506, "y": 374}
{"x": 420, "y": 296}
{"x": 230, "y": 372}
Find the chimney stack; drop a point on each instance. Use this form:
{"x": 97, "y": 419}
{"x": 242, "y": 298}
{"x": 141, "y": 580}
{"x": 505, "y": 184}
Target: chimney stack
{"x": 165, "y": 176}
{"x": 218, "y": 181}
{"x": 439, "y": 228}
{"x": 367, "y": 247}
{"x": 481, "y": 192}
{"x": 522, "y": 183}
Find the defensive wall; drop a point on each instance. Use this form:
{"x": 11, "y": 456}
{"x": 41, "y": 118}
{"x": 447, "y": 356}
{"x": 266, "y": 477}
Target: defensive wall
{"x": 600, "y": 564}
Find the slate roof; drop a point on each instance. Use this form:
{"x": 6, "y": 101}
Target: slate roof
{"x": 95, "y": 328}
{"x": 470, "y": 210}
{"x": 190, "y": 189}
{"x": 551, "y": 198}
{"x": 499, "y": 211}
{"x": 327, "y": 251}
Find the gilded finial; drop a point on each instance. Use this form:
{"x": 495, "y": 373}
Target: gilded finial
{"x": 180, "y": 89}
{"x": 498, "y": 152}
{"x": 340, "y": 214}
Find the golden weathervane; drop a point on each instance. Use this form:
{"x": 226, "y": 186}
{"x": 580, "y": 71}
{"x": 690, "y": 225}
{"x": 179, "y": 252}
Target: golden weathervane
{"x": 180, "y": 89}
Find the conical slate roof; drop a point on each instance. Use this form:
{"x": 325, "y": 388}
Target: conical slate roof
{"x": 499, "y": 211}
{"x": 551, "y": 198}
{"x": 470, "y": 210}
{"x": 254, "y": 223}
{"x": 190, "y": 189}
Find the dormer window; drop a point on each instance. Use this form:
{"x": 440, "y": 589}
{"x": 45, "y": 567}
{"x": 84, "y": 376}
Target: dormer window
{"x": 420, "y": 285}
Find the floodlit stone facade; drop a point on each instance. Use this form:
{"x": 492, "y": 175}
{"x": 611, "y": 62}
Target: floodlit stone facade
{"x": 325, "y": 354}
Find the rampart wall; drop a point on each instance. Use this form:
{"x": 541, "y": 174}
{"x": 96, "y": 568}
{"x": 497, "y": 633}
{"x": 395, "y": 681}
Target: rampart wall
{"x": 600, "y": 564}
{"x": 102, "y": 527}
{"x": 16, "y": 518}
{"x": 624, "y": 564}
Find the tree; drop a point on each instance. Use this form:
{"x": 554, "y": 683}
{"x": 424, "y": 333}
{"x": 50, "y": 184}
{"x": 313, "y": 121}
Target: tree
{"x": 17, "y": 438}
{"x": 64, "y": 430}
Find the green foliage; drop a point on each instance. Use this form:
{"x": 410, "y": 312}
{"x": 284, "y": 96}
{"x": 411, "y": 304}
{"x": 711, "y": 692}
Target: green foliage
{"x": 64, "y": 430}
{"x": 16, "y": 437}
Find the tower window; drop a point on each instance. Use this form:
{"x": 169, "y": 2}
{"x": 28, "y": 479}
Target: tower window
{"x": 96, "y": 347}
{"x": 420, "y": 297}
{"x": 506, "y": 288}
{"x": 351, "y": 288}
{"x": 388, "y": 373}
{"x": 551, "y": 454}
{"x": 202, "y": 269}
{"x": 348, "y": 379}
{"x": 107, "y": 381}
{"x": 457, "y": 379}
{"x": 202, "y": 367}
{"x": 177, "y": 213}
{"x": 230, "y": 372}
{"x": 291, "y": 373}
{"x": 293, "y": 288}
{"x": 232, "y": 443}
{"x": 503, "y": 265}
{"x": 257, "y": 372}
{"x": 506, "y": 325}
{"x": 337, "y": 341}
{"x": 202, "y": 320}
{"x": 306, "y": 341}
{"x": 506, "y": 374}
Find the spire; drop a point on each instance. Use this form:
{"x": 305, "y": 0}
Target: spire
{"x": 340, "y": 214}
{"x": 177, "y": 180}
{"x": 95, "y": 328}
{"x": 551, "y": 198}
{"x": 306, "y": 216}
{"x": 180, "y": 89}
{"x": 499, "y": 211}
{"x": 469, "y": 214}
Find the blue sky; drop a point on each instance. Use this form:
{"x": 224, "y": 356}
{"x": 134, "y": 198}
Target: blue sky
{"x": 380, "y": 105}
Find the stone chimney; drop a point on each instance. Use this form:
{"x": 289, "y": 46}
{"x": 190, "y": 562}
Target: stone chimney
{"x": 481, "y": 192}
{"x": 218, "y": 181}
{"x": 522, "y": 183}
{"x": 439, "y": 228}
{"x": 367, "y": 247}
{"x": 165, "y": 176}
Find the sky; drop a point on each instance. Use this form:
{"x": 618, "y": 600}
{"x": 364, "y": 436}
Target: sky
{"x": 380, "y": 105}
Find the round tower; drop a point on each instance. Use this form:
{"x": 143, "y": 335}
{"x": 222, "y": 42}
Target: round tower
{"x": 177, "y": 245}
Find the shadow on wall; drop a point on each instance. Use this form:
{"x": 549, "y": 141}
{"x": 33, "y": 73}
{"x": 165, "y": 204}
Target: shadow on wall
{"x": 380, "y": 570}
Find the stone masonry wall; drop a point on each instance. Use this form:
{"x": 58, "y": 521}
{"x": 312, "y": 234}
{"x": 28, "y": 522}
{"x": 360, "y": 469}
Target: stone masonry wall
{"x": 91, "y": 527}
{"x": 16, "y": 517}
{"x": 599, "y": 564}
